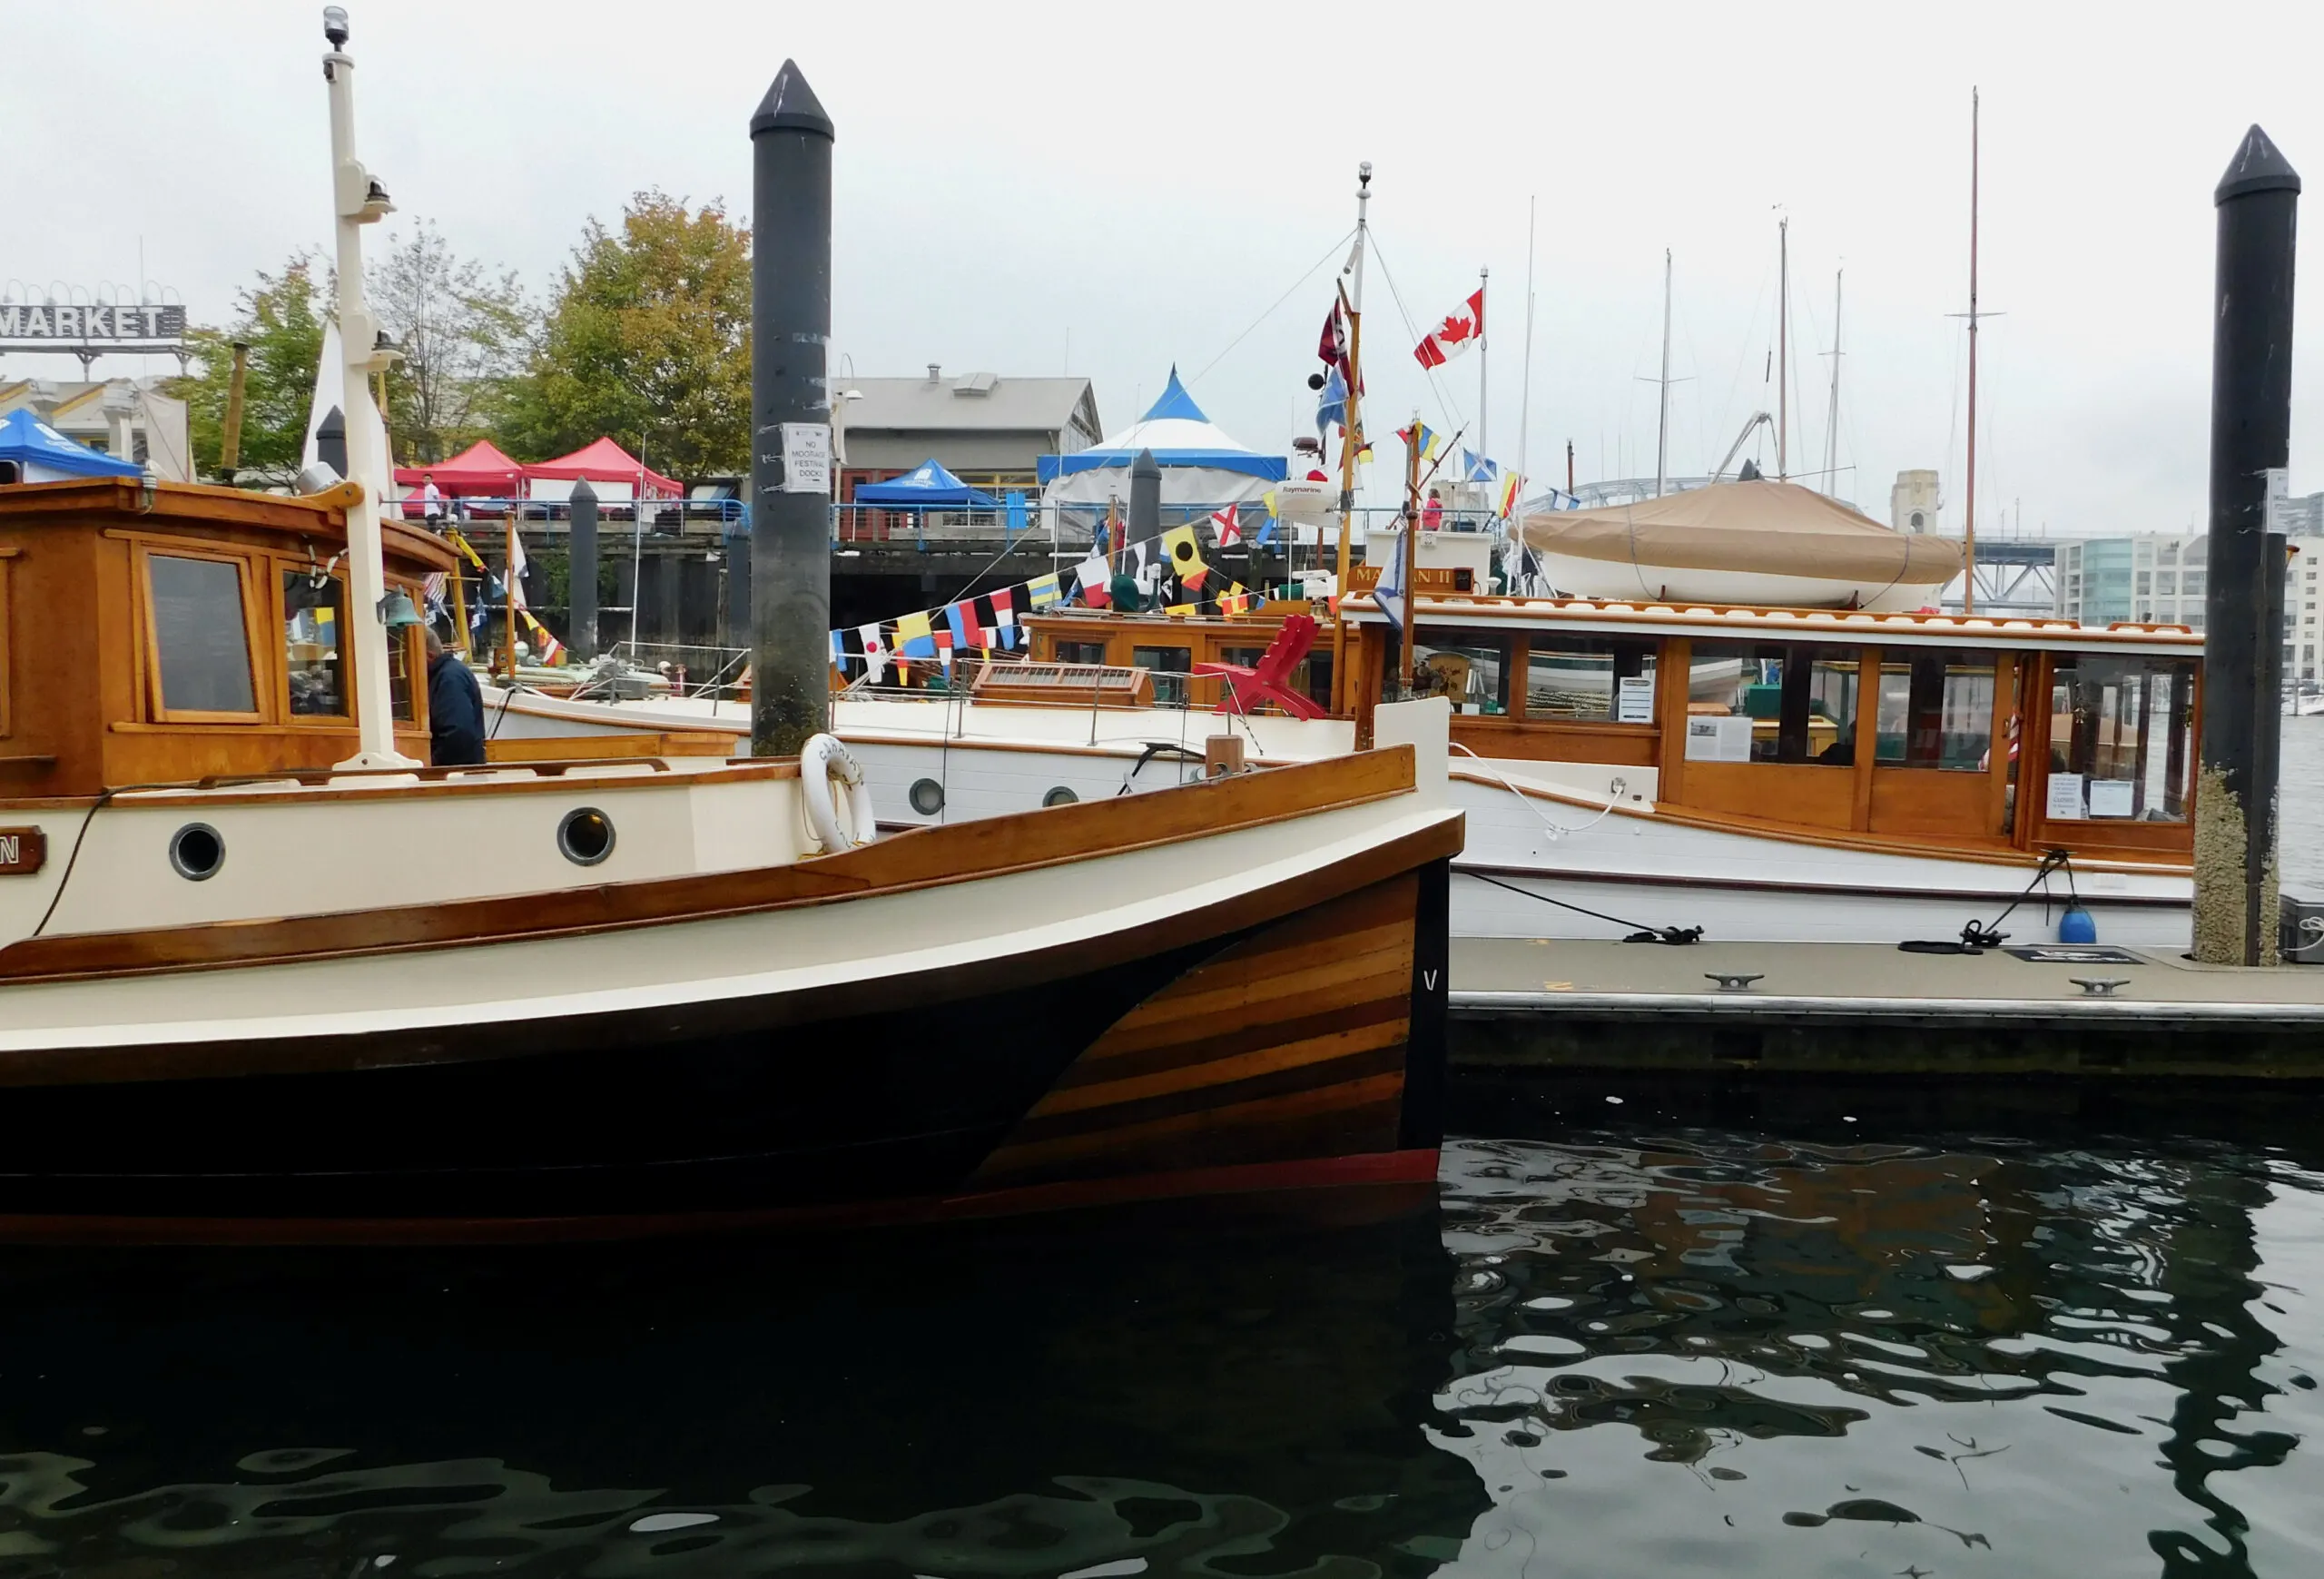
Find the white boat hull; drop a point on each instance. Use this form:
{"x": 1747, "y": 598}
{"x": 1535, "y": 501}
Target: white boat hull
{"x": 1632, "y": 864}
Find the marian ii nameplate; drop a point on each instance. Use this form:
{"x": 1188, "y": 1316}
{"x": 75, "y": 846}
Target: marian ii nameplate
{"x": 22, "y": 852}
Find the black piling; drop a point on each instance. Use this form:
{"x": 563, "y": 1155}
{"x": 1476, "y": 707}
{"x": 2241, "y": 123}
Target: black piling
{"x": 330, "y": 440}
{"x": 581, "y": 600}
{"x": 2251, "y": 315}
{"x": 790, "y": 320}
{"x": 1145, "y": 499}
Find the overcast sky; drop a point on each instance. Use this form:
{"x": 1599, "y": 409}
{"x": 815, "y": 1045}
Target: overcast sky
{"x": 1108, "y": 190}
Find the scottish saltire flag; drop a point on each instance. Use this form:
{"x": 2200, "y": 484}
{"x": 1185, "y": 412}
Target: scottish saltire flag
{"x": 1475, "y": 468}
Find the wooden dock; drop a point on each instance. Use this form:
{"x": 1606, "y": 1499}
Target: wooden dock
{"x": 1860, "y": 1010}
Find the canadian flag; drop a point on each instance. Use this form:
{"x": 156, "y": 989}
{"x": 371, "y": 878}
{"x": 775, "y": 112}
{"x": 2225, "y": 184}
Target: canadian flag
{"x": 1228, "y": 524}
{"x": 1457, "y": 333}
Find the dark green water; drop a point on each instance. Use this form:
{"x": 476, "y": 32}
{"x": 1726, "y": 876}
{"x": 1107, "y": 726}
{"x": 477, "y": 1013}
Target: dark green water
{"x": 1637, "y": 1348}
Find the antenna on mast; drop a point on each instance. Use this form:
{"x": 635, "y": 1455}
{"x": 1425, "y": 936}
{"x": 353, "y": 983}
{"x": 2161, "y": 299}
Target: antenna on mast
{"x": 1783, "y": 348}
{"x": 1969, "y": 509}
{"x": 1832, "y": 419}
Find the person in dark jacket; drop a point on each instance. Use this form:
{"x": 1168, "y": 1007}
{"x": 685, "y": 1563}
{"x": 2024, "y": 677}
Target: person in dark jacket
{"x": 455, "y": 709}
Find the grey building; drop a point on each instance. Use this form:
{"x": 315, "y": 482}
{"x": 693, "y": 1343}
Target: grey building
{"x": 985, "y": 429}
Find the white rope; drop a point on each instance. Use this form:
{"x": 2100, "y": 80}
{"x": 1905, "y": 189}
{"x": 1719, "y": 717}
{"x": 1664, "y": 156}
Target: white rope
{"x": 1557, "y": 830}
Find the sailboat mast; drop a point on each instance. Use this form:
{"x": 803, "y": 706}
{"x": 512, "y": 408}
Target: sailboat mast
{"x": 1832, "y": 418}
{"x": 1525, "y": 386}
{"x": 1783, "y": 350}
{"x": 1483, "y": 276}
{"x": 1969, "y": 518}
{"x": 1342, "y": 694}
{"x": 1662, "y": 425}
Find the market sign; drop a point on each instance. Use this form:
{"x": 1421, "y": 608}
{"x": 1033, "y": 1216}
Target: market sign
{"x": 36, "y": 325}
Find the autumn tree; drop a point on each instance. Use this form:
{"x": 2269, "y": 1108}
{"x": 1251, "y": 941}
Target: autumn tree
{"x": 647, "y": 338}
{"x": 464, "y": 335}
{"x": 281, "y": 318}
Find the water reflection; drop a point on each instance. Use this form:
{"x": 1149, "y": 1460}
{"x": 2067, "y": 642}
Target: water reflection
{"x": 1651, "y": 1351}
{"x": 993, "y": 1405}
{"x": 1952, "y": 1358}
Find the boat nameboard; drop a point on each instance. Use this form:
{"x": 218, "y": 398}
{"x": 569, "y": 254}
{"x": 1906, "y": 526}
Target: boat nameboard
{"x": 22, "y": 852}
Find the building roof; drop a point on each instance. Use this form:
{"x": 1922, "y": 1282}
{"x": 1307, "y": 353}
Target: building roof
{"x": 976, "y": 402}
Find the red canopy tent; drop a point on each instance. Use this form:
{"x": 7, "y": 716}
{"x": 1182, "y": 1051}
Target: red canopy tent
{"x": 479, "y": 471}
{"x": 604, "y": 462}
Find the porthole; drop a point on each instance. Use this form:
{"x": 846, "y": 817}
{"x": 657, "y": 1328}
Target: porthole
{"x": 197, "y": 851}
{"x": 1060, "y": 796}
{"x": 927, "y": 796}
{"x": 585, "y": 836}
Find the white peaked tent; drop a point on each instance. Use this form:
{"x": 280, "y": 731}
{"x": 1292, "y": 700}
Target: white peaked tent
{"x": 1203, "y": 468}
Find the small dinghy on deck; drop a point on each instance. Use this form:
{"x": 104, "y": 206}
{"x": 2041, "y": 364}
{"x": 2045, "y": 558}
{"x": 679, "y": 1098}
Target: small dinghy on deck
{"x": 1773, "y": 544}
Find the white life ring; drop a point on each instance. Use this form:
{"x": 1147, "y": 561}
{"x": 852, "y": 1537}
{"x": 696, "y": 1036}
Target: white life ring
{"x": 823, "y": 761}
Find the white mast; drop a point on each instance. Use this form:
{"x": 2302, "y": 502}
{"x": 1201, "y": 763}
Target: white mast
{"x": 1662, "y": 426}
{"x": 1783, "y": 350}
{"x": 1483, "y": 274}
{"x": 358, "y": 201}
{"x": 1832, "y": 419}
{"x": 1525, "y": 386}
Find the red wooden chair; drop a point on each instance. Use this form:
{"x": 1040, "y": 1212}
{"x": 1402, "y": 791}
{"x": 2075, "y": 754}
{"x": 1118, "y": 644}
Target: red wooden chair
{"x": 1243, "y": 688}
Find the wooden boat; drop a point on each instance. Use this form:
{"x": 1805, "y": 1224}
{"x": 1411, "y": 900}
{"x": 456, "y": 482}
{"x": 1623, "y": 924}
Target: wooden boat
{"x": 245, "y": 993}
{"x": 1764, "y": 773}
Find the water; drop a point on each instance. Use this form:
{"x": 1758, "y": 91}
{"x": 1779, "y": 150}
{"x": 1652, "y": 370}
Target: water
{"x": 1626, "y": 1344}
{"x": 2301, "y": 832}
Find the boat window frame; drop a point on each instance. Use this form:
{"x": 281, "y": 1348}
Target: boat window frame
{"x": 1520, "y": 672}
{"x": 284, "y": 567}
{"x": 7, "y": 669}
{"x": 258, "y": 604}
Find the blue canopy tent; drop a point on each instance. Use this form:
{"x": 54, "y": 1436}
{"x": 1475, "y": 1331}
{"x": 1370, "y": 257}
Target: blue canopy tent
{"x": 926, "y": 487}
{"x": 36, "y": 452}
{"x": 1203, "y": 468}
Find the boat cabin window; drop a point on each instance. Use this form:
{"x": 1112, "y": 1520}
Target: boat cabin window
{"x": 2121, "y": 738}
{"x": 1171, "y": 666}
{"x": 199, "y": 636}
{"x": 1081, "y": 652}
{"x": 1605, "y": 682}
{"x": 1936, "y": 709}
{"x": 1773, "y": 702}
{"x": 1471, "y": 666}
{"x": 312, "y": 611}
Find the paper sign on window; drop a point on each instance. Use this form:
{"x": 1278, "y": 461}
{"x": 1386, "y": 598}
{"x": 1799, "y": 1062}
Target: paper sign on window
{"x": 1634, "y": 700}
{"x": 2066, "y": 797}
{"x": 2109, "y": 797}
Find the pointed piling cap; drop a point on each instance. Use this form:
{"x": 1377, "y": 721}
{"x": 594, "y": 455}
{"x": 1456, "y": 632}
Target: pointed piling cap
{"x": 791, "y": 105}
{"x": 2256, "y": 166}
{"x": 1145, "y": 465}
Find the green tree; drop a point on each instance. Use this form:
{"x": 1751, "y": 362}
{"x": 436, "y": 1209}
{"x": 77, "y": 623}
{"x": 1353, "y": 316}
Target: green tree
{"x": 281, "y": 318}
{"x": 647, "y": 338}
{"x": 464, "y": 334}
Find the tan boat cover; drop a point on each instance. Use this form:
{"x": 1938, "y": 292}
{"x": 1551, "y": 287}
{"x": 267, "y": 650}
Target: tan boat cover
{"x": 1767, "y": 528}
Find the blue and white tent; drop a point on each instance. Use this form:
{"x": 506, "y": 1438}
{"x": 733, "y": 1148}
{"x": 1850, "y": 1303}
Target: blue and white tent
{"x": 1201, "y": 465}
{"x": 926, "y": 487}
{"x": 39, "y": 453}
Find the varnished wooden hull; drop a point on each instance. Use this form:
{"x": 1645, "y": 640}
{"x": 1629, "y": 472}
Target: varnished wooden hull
{"x": 1301, "y": 1052}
